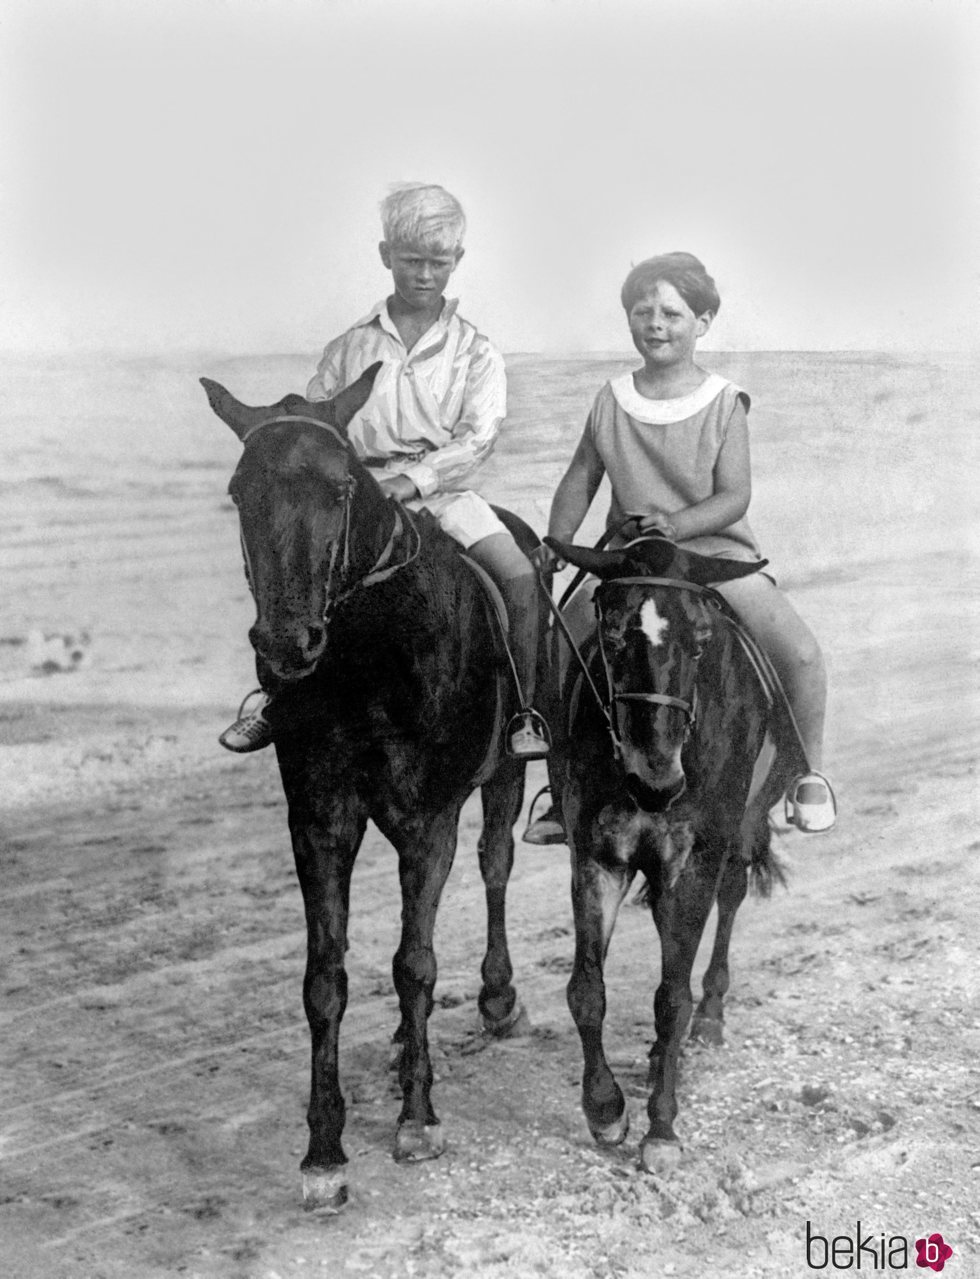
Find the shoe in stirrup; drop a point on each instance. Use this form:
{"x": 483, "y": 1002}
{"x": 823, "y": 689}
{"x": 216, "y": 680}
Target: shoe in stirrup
{"x": 546, "y": 829}
{"x": 527, "y": 736}
{"x": 810, "y": 804}
{"x": 251, "y": 731}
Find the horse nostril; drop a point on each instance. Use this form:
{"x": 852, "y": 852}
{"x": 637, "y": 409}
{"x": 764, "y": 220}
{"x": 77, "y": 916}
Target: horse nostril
{"x": 315, "y": 636}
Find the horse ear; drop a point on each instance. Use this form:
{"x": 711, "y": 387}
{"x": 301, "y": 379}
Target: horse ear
{"x": 601, "y": 563}
{"x": 352, "y": 398}
{"x": 703, "y": 570}
{"x": 242, "y": 418}
{"x": 231, "y": 411}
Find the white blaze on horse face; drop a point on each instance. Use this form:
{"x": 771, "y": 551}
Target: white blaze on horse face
{"x": 652, "y": 624}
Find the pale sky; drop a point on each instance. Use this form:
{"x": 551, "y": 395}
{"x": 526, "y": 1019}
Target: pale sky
{"x": 203, "y": 174}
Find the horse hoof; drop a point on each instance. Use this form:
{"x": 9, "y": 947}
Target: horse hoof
{"x": 708, "y": 1030}
{"x": 415, "y": 1142}
{"x": 613, "y": 1134}
{"x": 324, "y": 1190}
{"x": 660, "y": 1157}
{"x": 516, "y": 1025}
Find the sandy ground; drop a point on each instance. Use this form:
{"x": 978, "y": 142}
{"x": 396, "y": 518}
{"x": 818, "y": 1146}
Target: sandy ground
{"x": 155, "y": 1053}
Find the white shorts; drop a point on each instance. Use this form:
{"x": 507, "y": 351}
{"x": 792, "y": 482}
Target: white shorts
{"x": 466, "y": 516}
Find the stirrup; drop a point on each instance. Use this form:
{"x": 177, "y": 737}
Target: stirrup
{"x": 251, "y": 731}
{"x": 811, "y": 805}
{"x": 546, "y": 829}
{"x": 528, "y": 736}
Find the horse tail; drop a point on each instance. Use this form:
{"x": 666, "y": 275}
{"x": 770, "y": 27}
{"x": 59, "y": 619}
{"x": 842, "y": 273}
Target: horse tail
{"x": 766, "y": 872}
{"x": 766, "y": 869}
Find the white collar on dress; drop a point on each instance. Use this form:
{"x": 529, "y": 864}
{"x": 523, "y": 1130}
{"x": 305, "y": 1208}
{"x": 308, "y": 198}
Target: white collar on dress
{"x": 662, "y": 412}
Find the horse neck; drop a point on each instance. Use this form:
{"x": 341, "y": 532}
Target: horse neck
{"x": 727, "y": 679}
{"x": 431, "y": 577}
{"x": 371, "y": 521}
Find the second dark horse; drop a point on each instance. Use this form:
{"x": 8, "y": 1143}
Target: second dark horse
{"x": 380, "y": 638}
{"x": 660, "y": 777}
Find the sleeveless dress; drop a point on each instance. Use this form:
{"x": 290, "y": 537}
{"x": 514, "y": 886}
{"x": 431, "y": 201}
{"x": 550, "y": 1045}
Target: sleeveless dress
{"x": 661, "y": 454}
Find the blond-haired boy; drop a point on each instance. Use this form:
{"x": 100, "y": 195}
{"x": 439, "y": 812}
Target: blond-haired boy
{"x": 433, "y": 417}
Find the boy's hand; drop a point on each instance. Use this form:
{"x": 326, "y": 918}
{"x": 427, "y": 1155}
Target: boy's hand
{"x": 400, "y": 487}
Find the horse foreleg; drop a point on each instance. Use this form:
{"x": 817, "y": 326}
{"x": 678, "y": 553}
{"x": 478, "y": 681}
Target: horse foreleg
{"x": 598, "y": 890}
{"x": 425, "y": 856}
{"x": 501, "y": 1012}
{"x": 325, "y": 849}
{"x": 708, "y": 1023}
{"x": 680, "y": 914}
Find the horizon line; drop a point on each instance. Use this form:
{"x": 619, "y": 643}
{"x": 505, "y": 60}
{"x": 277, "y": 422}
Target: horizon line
{"x": 216, "y": 353}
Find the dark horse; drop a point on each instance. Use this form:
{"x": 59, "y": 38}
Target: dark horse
{"x": 663, "y": 738}
{"x": 386, "y": 661}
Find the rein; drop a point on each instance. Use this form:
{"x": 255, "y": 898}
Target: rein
{"x": 382, "y": 568}
{"x": 607, "y": 703}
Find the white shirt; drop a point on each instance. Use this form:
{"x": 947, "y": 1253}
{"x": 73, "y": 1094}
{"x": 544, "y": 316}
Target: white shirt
{"x": 435, "y": 411}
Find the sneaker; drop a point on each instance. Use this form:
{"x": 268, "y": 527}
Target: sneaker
{"x": 810, "y": 804}
{"x": 252, "y": 731}
{"x": 527, "y": 736}
{"x": 546, "y": 829}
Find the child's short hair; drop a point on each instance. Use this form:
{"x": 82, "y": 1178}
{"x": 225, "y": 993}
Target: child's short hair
{"x": 424, "y": 215}
{"x": 684, "y": 271}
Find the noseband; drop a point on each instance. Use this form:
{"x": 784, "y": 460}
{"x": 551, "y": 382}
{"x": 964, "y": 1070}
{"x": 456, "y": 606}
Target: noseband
{"x": 383, "y": 568}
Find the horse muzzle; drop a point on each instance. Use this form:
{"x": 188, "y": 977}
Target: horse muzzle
{"x": 654, "y": 789}
{"x": 291, "y": 653}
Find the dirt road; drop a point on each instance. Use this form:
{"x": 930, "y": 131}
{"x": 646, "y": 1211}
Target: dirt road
{"x": 155, "y": 1051}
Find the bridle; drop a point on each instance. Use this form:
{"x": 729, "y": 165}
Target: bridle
{"x": 383, "y": 567}
{"x": 613, "y": 699}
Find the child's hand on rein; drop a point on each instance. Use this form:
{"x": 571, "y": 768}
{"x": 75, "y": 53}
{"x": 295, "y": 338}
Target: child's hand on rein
{"x": 653, "y": 522}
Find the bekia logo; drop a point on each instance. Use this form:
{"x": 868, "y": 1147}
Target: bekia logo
{"x": 873, "y": 1252}
{"x": 933, "y": 1252}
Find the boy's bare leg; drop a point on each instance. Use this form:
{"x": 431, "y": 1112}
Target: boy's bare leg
{"x": 500, "y": 555}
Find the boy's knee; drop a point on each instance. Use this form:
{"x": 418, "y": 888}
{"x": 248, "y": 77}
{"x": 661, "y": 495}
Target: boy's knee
{"x": 503, "y": 558}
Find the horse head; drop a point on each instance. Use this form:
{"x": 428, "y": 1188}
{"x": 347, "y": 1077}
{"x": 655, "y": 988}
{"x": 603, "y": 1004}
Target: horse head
{"x": 293, "y": 488}
{"x": 656, "y": 622}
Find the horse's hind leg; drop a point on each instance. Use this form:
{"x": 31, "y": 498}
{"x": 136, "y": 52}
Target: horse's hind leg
{"x": 501, "y": 1012}
{"x": 598, "y": 890}
{"x": 707, "y": 1025}
{"x": 325, "y": 850}
{"x": 426, "y": 847}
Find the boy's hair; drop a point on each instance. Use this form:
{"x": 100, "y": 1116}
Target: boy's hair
{"x": 423, "y": 215}
{"x": 684, "y": 271}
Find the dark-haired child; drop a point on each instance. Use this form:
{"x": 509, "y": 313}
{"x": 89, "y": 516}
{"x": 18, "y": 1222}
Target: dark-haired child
{"x": 673, "y": 440}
